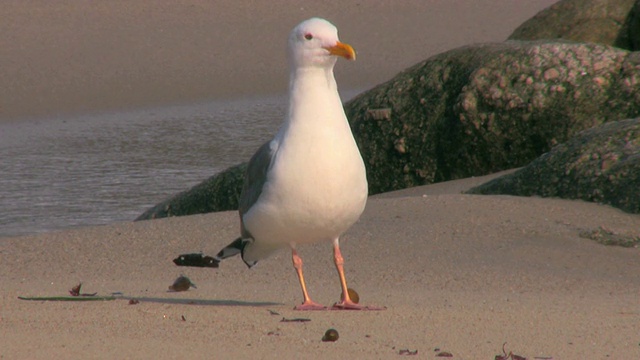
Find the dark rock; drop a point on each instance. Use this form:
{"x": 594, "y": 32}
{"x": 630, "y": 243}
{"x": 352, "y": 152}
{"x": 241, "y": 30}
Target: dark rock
{"x": 600, "y": 165}
{"x": 634, "y": 27}
{"x": 605, "y": 236}
{"x": 218, "y": 193}
{"x": 468, "y": 112}
{"x": 484, "y": 108}
{"x": 609, "y": 22}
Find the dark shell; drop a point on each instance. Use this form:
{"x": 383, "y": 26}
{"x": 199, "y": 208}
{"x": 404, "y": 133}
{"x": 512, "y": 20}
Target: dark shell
{"x": 182, "y": 283}
{"x": 330, "y": 335}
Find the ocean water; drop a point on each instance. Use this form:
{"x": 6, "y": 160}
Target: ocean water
{"x": 96, "y": 169}
{"x": 86, "y": 170}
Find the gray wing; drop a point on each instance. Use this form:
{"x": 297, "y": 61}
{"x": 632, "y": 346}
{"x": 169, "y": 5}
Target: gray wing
{"x": 256, "y": 175}
{"x": 254, "y": 180}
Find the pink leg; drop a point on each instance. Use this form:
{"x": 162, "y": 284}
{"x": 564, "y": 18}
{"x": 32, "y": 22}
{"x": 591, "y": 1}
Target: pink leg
{"x": 345, "y": 302}
{"x": 307, "y": 304}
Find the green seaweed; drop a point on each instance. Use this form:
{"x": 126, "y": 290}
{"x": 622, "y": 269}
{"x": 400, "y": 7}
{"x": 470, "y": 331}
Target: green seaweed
{"x": 67, "y": 298}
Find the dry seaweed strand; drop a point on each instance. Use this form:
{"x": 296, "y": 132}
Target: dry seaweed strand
{"x": 509, "y": 356}
{"x": 408, "y": 352}
{"x": 75, "y": 291}
{"x": 295, "y": 320}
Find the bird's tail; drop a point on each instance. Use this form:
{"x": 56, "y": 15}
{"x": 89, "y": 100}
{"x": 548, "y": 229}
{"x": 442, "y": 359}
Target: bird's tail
{"x": 236, "y": 247}
{"x": 230, "y": 250}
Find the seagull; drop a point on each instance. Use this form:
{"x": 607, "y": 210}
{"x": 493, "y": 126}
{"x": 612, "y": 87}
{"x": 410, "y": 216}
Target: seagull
{"x": 308, "y": 184}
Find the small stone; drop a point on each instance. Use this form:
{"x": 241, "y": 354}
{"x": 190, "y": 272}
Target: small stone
{"x": 400, "y": 146}
{"x": 330, "y": 335}
{"x": 551, "y": 74}
{"x": 379, "y": 114}
{"x": 182, "y": 283}
{"x": 599, "y": 80}
{"x": 353, "y": 295}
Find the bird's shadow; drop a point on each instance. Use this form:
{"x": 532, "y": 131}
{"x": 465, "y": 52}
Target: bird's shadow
{"x": 208, "y": 302}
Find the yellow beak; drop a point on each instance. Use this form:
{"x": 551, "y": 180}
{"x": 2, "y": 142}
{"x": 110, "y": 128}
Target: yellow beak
{"x": 342, "y": 49}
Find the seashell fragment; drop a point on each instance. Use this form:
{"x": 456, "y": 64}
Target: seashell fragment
{"x": 182, "y": 283}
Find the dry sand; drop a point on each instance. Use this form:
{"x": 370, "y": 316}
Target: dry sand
{"x": 459, "y": 273}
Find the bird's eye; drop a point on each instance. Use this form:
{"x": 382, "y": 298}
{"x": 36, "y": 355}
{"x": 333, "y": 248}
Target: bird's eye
{"x": 308, "y": 36}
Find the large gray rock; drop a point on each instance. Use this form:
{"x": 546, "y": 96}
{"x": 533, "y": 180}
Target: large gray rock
{"x": 600, "y": 165}
{"x": 220, "y": 192}
{"x": 609, "y": 22}
{"x": 485, "y": 108}
{"x": 468, "y": 112}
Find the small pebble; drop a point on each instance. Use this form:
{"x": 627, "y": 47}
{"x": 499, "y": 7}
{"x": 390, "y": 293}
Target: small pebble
{"x": 182, "y": 283}
{"x": 331, "y": 335}
{"x": 353, "y": 295}
{"x": 444, "y": 354}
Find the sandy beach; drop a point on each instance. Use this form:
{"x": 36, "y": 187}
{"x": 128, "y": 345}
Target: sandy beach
{"x": 459, "y": 274}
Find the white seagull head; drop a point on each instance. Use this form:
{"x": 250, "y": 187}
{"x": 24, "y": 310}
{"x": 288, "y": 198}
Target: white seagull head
{"x": 314, "y": 43}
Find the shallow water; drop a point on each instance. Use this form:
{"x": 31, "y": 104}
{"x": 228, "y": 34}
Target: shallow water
{"x": 98, "y": 169}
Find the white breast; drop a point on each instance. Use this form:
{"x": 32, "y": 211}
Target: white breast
{"x": 317, "y": 186}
